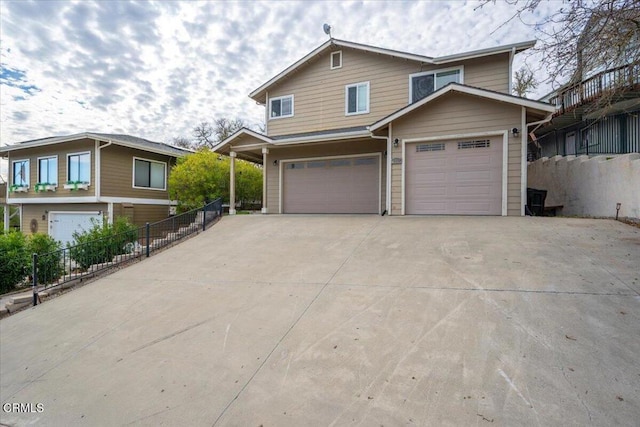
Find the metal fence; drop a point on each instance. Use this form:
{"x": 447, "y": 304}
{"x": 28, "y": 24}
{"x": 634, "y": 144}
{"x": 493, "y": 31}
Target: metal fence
{"x": 85, "y": 259}
{"x": 596, "y": 86}
{"x": 615, "y": 134}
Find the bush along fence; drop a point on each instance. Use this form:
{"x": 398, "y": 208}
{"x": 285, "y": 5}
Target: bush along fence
{"x": 89, "y": 256}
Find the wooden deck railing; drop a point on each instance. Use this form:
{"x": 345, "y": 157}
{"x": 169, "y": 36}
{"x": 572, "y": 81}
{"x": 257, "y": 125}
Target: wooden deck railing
{"x": 626, "y": 76}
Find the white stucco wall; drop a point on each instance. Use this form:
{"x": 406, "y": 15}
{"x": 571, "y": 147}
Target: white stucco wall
{"x": 589, "y": 186}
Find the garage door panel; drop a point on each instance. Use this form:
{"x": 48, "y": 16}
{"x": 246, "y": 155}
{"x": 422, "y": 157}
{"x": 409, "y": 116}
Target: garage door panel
{"x": 343, "y": 185}
{"x": 463, "y": 181}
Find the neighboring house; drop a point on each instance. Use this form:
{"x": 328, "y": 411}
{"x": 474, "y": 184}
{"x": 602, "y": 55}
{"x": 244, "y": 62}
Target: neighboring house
{"x": 61, "y": 183}
{"x": 352, "y": 128}
{"x": 599, "y": 108}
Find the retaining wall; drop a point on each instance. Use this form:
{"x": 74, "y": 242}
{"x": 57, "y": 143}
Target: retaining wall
{"x": 589, "y": 186}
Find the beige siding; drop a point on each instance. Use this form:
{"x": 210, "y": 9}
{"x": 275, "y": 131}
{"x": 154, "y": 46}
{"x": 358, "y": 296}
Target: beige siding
{"x": 117, "y": 172}
{"x": 61, "y": 150}
{"x": 141, "y": 213}
{"x": 3, "y": 193}
{"x": 319, "y": 92}
{"x": 149, "y": 213}
{"x": 39, "y": 211}
{"x": 488, "y": 73}
{"x": 461, "y": 114}
{"x": 318, "y": 150}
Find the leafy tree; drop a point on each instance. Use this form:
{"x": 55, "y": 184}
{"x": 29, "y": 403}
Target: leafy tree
{"x": 248, "y": 182}
{"x": 199, "y": 177}
{"x": 204, "y": 176}
{"x": 524, "y": 82}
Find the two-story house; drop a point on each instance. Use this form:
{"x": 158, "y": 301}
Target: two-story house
{"x": 352, "y": 128}
{"x": 61, "y": 183}
{"x": 599, "y": 108}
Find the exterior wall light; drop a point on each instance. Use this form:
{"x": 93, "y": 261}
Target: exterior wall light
{"x": 395, "y": 142}
{"x": 515, "y": 131}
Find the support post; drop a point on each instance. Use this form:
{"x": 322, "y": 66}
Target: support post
{"x": 204, "y": 216}
{"x": 7, "y": 216}
{"x": 265, "y": 151}
{"x": 148, "y": 232}
{"x": 34, "y": 273}
{"x": 232, "y": 183}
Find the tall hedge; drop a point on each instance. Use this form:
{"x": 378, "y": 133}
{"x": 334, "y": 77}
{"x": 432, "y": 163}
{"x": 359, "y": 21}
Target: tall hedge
{"x": 14, "y": 259}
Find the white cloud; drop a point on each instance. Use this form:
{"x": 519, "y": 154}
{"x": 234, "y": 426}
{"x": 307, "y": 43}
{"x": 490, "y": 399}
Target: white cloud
{"x": 157, "y": 69}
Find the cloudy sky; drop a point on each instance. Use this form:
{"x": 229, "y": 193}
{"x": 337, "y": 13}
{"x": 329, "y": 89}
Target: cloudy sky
{"x": 156, "y": 69}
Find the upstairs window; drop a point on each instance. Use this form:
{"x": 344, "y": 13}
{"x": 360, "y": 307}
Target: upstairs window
{"x": 48, "y": 170}
{"x": 281, "y": 107}
{"x": 336, "y": 60}
{"x": 424, "y": 84}
{"x": 357, "y": 99}
{"x": 79, "y": 168}
{"x": 20, "y": 173}
{"x": 149, "y": 174}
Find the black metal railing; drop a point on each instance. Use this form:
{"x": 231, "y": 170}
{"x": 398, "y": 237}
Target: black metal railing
{"x": 596, "y": 86}
{"x": 85, "y": 259}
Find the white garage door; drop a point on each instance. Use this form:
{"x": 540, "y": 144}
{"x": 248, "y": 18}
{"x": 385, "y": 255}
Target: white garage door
{"x": 340, "y": 185}
{"x": 461, "y": 177}
{"x": 62, "y": 225}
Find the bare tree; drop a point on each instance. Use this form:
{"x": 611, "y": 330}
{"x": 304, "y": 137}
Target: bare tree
{"x": 182, "y": 142}
{"x": 524, "y": 82}
{"x": 582, "y": 37}
{"x": 208, "y": 134}
{"x": 203, "y": 135}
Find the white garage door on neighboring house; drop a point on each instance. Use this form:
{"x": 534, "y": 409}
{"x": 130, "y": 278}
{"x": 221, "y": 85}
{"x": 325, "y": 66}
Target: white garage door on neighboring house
{"x": 458, "y": 177}
{"x": 62, "y": 225}
{"x": 333, "y": 185}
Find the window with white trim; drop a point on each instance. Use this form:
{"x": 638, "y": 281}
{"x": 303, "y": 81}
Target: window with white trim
{"x": 357, "y": 98}
{"x": 336, "y": 60}
{"x": 79, "y": 168}
{"x": 280, "y": 107}
{"x": 424, "y": 84}
{"x": 20, "y": 173}
{"x": 48, "y": 170}
{"x": 149, "y": 174}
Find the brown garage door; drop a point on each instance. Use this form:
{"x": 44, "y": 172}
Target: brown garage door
{"x": 461, "y": 177}
{"x": 342, "y": 185}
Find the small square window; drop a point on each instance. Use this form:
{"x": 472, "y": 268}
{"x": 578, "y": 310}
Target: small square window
{"x": 281, "y": 107}
{"x": 357, "y": 99}
{"x": 336, "y": 60}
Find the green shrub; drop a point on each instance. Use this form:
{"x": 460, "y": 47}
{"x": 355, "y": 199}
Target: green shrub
{"x": 49, "y": 264}
{"x": 102, "y": 242}
{"x": 14, "y": 259}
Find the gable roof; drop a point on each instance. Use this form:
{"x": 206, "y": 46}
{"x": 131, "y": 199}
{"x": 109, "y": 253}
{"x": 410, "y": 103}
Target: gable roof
{"x": 258, "y": 94}
{"x": 118, "y": 139}
{"x": 469, "y": 90}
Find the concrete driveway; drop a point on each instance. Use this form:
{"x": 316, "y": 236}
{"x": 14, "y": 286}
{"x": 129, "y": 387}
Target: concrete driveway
{"x": 345, "y": 320}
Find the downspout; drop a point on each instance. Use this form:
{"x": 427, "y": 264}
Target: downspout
{"x": 512, "y": 54}
{"x": 388, "y": 170}
{"x": 99, "y": 178}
